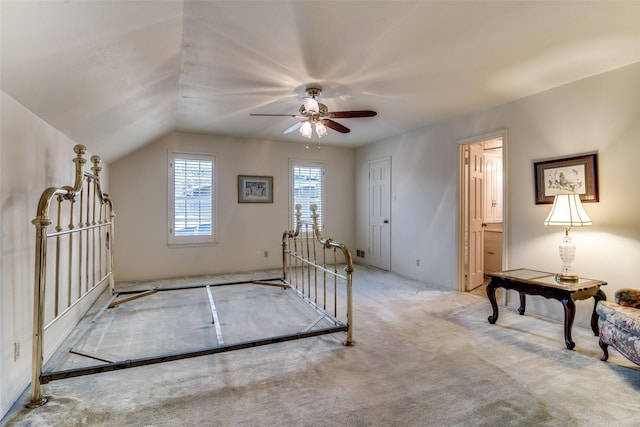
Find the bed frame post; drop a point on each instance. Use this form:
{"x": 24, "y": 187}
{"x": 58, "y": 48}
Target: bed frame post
{"x": 349, "y": 269}
{"x": 285, "y": 236}
{"x": 109, "y": 243}
{"x": 41, "y": 223}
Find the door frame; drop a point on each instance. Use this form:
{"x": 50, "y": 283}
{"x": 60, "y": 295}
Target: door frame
{"x": 461, "y": 202}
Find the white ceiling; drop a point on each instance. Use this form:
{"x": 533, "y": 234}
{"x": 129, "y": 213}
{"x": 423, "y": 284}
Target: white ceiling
{"x": 114, "y": 75}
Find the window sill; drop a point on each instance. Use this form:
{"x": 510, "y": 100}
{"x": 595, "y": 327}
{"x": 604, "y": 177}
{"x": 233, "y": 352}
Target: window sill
{"x": 191, "y": 245}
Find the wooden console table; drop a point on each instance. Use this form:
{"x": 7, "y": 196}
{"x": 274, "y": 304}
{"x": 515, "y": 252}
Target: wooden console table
{"x": 533, "y": 282}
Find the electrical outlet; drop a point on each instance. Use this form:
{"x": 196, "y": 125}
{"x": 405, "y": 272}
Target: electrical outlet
{"x": 418, "y": 262}
{"x": 259, "y": 254}
{"x": 16, "y": 350}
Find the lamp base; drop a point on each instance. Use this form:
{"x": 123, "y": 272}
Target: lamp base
{"x": 566, "y": 278}
{"x": 567, "y": 254}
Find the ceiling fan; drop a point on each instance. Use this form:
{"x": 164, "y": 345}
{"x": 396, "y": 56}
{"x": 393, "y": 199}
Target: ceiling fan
{"x": 312, "y": 113}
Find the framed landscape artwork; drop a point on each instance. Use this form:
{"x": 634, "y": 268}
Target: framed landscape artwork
{"x": 255, "y": 189}
{"x": 577, "y": 175}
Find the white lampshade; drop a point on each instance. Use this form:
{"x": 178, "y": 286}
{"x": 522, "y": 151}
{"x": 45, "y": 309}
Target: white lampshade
{"x": 567, "y": 211}
{"x": 321, "y": 129}
{"x": 306, "y": 130}
{"x": 311, "y": 104}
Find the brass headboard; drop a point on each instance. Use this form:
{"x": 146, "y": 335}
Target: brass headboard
{"x": 71, "y": 259}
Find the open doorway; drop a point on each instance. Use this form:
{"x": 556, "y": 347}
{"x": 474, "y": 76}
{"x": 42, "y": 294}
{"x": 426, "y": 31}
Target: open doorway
{"x": 481, "y": 205}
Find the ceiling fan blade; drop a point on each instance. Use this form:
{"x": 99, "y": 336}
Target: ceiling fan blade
{"x": 311, "y": 104}
{"x": 336, "y": 126}
{"x": 355, "y": 113}
{"x": 290, "y": 129}
{"x": 274, "y": 115}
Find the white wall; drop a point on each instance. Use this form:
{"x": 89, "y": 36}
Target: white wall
{"x": 596, "y": 114}
{"x": 139, "y": 191}
{"x": 33, "y": 156}
{"x": 423, "y": 193}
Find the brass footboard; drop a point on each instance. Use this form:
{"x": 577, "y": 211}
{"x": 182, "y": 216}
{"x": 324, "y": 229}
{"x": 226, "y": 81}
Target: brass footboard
{"x": 310, "y": 266}
{"x": 82, "y": 236}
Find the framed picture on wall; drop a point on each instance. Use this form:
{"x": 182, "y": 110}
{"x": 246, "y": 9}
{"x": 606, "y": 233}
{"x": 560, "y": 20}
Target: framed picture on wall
{"x": 578, "y": 174}
{"x": 255, "y": 189}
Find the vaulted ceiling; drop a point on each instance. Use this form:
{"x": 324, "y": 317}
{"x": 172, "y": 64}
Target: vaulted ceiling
{"x": 115, "y": 75}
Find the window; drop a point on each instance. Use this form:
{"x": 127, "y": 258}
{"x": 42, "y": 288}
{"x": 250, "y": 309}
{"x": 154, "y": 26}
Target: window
{"x": 191, "y": 194}
{"x": 307, "y": 189}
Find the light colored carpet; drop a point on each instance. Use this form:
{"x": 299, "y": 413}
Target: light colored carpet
{"x": 424, "y": 357}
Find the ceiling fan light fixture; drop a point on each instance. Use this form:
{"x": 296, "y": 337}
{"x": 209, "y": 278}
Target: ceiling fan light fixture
{"x": 310, "y": 104}
{"x": 306, "y": 130}
{"x": 312, "y": 112}
{"x": 321, "y": 129}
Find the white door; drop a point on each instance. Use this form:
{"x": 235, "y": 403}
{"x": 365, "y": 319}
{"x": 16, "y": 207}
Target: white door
{"x": 493, "y": 186}
{"x": 380, "y": 213}
{"x": 476, "y": 229}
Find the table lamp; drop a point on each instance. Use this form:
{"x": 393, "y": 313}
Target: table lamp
{"x": 567, "y": 211}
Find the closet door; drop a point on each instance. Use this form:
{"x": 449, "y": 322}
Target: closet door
{"x": 492, "y": 187}
{"x": 380, "y": 213}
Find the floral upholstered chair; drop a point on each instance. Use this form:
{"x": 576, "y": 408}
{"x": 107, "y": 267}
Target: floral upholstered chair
{"x": 619, "y": 324}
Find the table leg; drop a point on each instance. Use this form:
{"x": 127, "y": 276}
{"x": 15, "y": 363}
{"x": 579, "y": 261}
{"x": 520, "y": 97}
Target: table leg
{"x": 523, "y": 303}
{"x": 599, "y": 296}
{"x": 569, "y": 315}
{"x": 491, "y": 294}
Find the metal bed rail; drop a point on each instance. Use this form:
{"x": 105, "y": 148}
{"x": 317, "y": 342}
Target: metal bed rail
{"x": 82, "y": 248}
{"x": 120, "y": 297}
{"x": 310, "y": 266}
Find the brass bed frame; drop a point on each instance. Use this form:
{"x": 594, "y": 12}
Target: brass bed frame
{"x": 83, "y": 262}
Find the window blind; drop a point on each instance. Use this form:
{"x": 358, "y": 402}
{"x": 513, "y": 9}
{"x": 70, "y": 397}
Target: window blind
{"x": 307, "y": 190}
{"x": 193, "y": 197}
